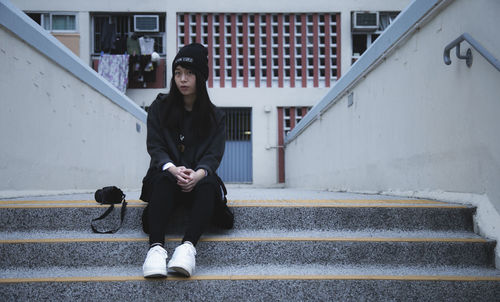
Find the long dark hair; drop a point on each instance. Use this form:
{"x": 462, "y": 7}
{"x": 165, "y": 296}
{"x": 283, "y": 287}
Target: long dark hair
{"x": 203, "y": 112}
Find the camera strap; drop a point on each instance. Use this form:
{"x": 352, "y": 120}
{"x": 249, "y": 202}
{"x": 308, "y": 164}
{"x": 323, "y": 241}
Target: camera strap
{"x": 105, "y": 214}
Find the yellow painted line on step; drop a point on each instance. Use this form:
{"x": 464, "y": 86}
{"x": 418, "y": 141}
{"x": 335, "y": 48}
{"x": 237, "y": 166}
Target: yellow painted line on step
{"x": 280, "y": 202}
{"x": 386, "y": 203}
{"x": 256, "y": 277}
{"x": 251, "y": 239}
{"x": 356, "y": 201}
{"x": 66, "y": 205}
{"x": 23, "y": 202}
{"x": 349, "y": 239}
{"x": 264, "y": 205}
{"x": 69, "y": 240}
{"x": 356, "y": 277}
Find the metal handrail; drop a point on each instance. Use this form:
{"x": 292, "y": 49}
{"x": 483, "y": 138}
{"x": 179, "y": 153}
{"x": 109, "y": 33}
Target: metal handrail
{"x": 468, "y": 56}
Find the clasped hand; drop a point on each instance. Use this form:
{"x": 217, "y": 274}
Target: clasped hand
{"x": 187, "y": 178}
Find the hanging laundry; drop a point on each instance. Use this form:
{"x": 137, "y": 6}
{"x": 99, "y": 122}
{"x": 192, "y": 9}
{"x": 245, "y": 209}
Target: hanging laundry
{"x": 142, "y": 70}
{"x": 108, "y": 37}
{"x": 114, "y": 68}
{"x": 120, "y": 45}
{"x": 133, "y": 47}
{"x": 147, "y": 45}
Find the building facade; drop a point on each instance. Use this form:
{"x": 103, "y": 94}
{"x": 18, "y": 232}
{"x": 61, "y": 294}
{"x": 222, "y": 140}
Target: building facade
{"x": 269, "y": 61}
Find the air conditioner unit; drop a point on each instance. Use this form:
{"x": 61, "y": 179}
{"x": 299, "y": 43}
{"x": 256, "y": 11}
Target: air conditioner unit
{"x": 146, "y": 23}
{"x": 365, "y": 21}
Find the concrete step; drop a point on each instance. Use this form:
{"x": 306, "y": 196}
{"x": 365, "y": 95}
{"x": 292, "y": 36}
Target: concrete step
{"x": 354, "y": 215}
{"x": 287, "y": 245}
{"x": 254, "y": 283}
{"x": 287, "y": 248}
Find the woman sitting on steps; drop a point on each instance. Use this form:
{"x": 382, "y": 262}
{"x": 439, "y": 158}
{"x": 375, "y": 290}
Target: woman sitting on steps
{"x": 186, "y": 140}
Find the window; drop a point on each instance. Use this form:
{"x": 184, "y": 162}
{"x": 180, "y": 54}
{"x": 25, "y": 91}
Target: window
{"x": 63, "y": 22}
{"x": 361, "y": 41}
{"x": 56, "y": 22}
{"x": 292, "y": 116}
{"x": 271, "y": 50}
{"x": 123, "y": 27}
{"x": 238, "y": 124}
{"x": 110, "y": 32}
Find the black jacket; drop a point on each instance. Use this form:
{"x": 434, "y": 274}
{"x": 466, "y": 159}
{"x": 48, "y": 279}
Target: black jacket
{"x": 163, "y": 144}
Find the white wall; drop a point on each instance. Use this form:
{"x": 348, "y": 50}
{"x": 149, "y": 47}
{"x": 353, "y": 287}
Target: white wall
{"x": 265, "y": 167}
{"x": 265, "y": 125}
{"x": 417, "y": 126}
{"x": 57, "y": 133}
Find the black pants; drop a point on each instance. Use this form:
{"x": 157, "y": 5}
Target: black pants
{"x": 166, "y": 196}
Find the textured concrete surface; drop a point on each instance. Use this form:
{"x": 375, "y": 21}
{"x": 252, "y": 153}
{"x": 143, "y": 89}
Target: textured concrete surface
{"x": 336, "y": 246}
{"x": 229, "y": 234}
{"x": 256, "y": 218}
{"x": 236, "y": 192}
{"x": 256, "y": 271}
{"x": 252, "y": 290}
{"x": 222, "y": 253}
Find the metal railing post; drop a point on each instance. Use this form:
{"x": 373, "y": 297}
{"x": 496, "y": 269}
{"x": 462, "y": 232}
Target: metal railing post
{"x": 468, "y": 56}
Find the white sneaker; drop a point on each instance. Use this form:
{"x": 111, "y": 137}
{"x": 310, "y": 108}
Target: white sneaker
{"x": 155, "y": 264}
{"x": 183, "y": 260}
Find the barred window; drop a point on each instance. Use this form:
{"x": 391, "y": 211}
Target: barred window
{"x": 291, "y": 117}
{"x": 266, "y": 50}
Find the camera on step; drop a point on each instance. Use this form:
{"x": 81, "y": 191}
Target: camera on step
{"x": 109, "y": 195}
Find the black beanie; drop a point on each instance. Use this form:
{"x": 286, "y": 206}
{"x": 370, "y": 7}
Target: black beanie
{"x": 193, "y": 56}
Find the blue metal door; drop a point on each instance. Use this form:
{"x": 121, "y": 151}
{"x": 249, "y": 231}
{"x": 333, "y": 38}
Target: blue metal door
{"x": 236, "y": 165}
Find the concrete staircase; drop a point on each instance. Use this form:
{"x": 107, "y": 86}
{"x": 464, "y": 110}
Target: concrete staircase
{"x": 287, "y": 245}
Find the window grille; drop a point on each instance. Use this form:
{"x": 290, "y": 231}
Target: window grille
{"x": 124, "y": 25}
{"x": 266, "y": 50}
{"x": 292, "y": 116}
